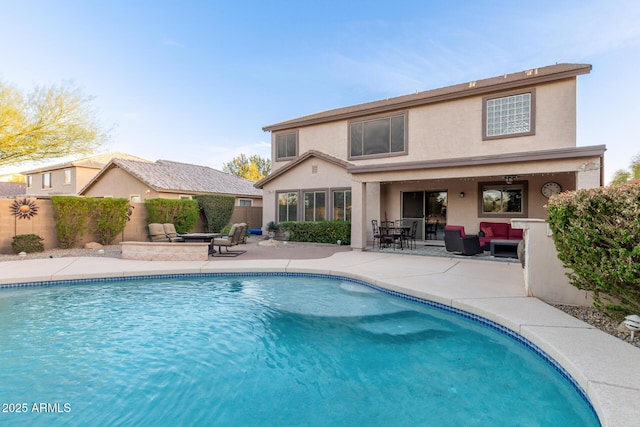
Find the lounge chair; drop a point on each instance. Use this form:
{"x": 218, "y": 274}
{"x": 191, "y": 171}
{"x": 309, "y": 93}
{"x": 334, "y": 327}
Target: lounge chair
{"x": 455, "y": 240}
{"x": 172, "y": 234}
{"x": 157, "y": 233}
{"x": 234, "y": 238}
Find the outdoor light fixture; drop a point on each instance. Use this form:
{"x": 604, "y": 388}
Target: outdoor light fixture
{"x": 632, "y": 323}
{"x": 462, "y": 194}
{"x": 509, "y": 178}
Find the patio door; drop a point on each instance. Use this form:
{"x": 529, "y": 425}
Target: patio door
{"x": 429, "y": 208}
{"x": 413, "y": 210}
{"x": 436, "y": 214}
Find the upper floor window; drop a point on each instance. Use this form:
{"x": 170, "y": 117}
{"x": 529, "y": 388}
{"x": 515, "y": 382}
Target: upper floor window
{"x": 286, "y": 145}
{"x": 29, "y": 181}
{"x": 46, "y": 180}
{"x": 377, "y": 137}
{"x": 511, "y": 115}
{"x": 67, "y": 176}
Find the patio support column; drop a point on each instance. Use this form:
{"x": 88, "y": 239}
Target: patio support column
{"x": 358, "y": 215}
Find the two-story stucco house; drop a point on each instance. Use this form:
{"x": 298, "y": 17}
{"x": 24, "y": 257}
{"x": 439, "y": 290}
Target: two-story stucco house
{"x": 486, "y": 150}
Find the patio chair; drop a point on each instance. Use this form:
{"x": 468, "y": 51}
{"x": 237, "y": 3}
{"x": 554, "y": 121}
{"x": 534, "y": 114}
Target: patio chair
{"x": 410, "y": 236}
{"x": 455, "y": 240}
{"x": 376, "y": 233}
{"x": 235, "y": 237}
{"x": 157, "y": 233}
{"x": 172, "y": 234}
{"x": 387, "y": 234}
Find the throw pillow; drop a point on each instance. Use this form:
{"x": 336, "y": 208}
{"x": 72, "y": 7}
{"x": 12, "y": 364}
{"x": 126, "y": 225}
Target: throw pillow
{"x": 488, "y": 231}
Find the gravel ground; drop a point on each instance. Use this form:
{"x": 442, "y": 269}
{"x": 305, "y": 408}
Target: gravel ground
{"x": 587, "y": 314}
{"x": 598, "y": 320}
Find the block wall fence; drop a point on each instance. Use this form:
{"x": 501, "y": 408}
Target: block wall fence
{"x": 43, "y": 224}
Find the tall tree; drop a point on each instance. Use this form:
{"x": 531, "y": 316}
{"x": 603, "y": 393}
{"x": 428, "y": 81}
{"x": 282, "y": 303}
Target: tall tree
{"x": 253, "y": 168}
{"x": 621, "y": 175}
{"x": 48, "y": 123}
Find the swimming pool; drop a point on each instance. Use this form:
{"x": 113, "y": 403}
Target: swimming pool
{"x": 268, "y": 349}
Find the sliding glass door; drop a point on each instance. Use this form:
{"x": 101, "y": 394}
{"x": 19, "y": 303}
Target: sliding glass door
{"x": 429, "y": 208}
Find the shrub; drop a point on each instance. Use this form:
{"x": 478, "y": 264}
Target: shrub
{"x": 27, "y": 243}
{"x": 318, "y": 231}
{"x": 111, "y": 217}
{"x": 71, "y": 214}
{"x": 217, "y": 210}
{"x": 597, "y": 235}
{"x": 182, "y": 213}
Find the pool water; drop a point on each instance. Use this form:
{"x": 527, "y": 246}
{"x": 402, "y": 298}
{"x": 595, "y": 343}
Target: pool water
{"x": 264, "y": 350}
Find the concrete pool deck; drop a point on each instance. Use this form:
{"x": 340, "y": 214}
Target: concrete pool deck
{"x": 604, "y": 366}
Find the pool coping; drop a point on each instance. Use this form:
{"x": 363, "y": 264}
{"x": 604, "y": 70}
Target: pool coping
{"x": 602, "y": 365}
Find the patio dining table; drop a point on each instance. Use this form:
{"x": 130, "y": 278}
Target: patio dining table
{"x": 394, "y": 231}
{"x": 201, "y": 237}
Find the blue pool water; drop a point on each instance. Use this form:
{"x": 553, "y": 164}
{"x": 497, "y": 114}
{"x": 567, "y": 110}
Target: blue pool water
{"x": 264, "y": 350}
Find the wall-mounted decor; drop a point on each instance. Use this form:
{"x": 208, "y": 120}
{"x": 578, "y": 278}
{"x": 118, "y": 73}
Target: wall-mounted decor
{"x": 24, "y": 209}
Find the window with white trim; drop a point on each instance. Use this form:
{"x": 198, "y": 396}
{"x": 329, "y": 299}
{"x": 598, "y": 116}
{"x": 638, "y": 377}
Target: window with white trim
{"x": 511, "y": 115}
{"x": 286, "y": 145}
{"x": 67, "y": 176}
{"x": 245, "y": 202}
{"x": 315, "y": 204}
{"x": 287, "y": 206}
{"x": 342, "y": 205}
{"x": 29, "y": 181}
{"x": 377, "y": 137}
{"x": 135, "y": 198}
{"x": 46, "y": 180}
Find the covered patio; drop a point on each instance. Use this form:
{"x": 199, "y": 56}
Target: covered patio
{"x": 466, "y": 191}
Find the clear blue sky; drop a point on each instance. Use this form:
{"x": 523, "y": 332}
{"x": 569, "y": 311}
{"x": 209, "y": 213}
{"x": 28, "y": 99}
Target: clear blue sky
{"x": 195, "y": 81}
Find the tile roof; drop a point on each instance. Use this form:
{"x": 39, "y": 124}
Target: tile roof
{"x": 10, "y": 189}
{"x": 95, "y": 162}
{"x": 165, "y": 175}
{"x": 474, "y": 88}
{"x": 293, "y": 163}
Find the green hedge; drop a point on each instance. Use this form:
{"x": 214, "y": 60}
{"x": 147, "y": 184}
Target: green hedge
{"x": 217, "y": 210}
{"x": 597, "y": 235}
{"x": 318, "y": 231}
{"x": 183, "y": 213}
{"x": 111, "y": 216}
{"x": 104, "y": 217}
{"x": 71, "y": 214}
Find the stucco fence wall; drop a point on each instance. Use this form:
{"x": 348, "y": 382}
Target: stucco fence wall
{"x": 43, "y": 224}
{"x": 544, "y": 275}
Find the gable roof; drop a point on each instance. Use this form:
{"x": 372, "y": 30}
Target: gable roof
{"x": 295, "y": 162}
{"x": 93, "y": 162}
{"x": 504, "y": 82}
{"x": 175, "y": 177}
{"x": 10, "y": 189}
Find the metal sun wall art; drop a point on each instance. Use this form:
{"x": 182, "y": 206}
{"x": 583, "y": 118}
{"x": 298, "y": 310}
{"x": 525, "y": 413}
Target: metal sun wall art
{"x": 24, "y": 209}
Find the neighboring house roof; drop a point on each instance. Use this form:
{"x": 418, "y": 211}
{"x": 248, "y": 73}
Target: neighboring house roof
{"x": 93, "y": 162}
{"x": 293, "y": 163}
{"x": 479, "y": 87}
{"x": 10, "y": 189}
{"x": 174, "y": 177}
